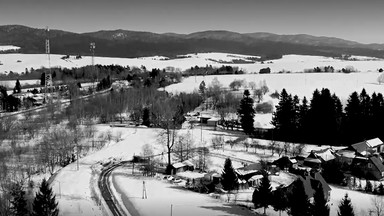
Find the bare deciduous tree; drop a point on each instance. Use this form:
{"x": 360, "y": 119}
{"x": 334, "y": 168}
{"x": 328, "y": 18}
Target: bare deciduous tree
{"x": 378, "y": 205}
{"x": 272, "y": 146}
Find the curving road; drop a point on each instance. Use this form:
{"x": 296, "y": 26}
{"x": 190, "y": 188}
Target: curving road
{"x": 105, "y": 189}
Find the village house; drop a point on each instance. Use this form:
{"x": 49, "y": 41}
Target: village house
{"x": 311, "y": 182}
{"x": 318, "y": 158}
{"x": 363, "y": 159}
{"x": 371, "y": 168}
{"x": 368, "y": 147}
{"x": 182, "y": 166}
{"x": 285, "y": 163}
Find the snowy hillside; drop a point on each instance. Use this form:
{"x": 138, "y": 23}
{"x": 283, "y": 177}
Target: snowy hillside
{"x": 293, "y": 63}
{"x": 8, "y": 48}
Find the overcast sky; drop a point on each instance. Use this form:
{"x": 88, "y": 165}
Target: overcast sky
{"x": 358, "y": 20}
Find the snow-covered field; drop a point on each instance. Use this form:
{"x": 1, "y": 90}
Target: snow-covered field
{"x": 8, "y": 47}
{"x": 293, "y": 63}
{"x": 299, "y": 83}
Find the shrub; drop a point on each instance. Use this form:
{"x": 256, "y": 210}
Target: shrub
{"x": 265, "y": 70}
{"x": 275, "y": 94}
{"x": 264, "y": 107}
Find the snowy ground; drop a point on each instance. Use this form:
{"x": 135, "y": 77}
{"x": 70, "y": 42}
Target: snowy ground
{"x": 161, "y": 195}
{"x": 293, "y": 63}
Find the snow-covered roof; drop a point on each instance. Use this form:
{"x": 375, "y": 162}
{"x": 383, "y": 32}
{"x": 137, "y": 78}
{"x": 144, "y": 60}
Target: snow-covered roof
{"x": 187, "y": 163}
{"x": 213, "y": 119}
{"x": 191, "y": 175}
{"x": 325, "y": 154}
{"x": 313, "y": 160}
{"x": 255, "y": 177}
{"x": 347, "y": 153}
{"x": 244, "y": 172}
{"x": 178, "y": 165}
{"x": 374, "y": 142}
{"x": 367, "y": 144}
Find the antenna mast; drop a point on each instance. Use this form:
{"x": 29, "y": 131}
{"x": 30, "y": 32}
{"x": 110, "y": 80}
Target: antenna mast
{"x": 48, "y": 77}
{"x": 92, "y": 48}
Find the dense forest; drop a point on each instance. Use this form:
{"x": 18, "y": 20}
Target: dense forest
{"x": 324, "y": 120}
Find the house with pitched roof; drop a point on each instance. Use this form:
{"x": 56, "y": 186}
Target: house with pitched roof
{"x": 371, "y": 168}
{"x": 368, "y": 147}
{"x": 316, "y": 158}
{"x": 311, "y": 182}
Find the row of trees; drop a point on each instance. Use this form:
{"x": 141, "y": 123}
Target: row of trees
{"x": 209, "y": 70}
{"x": 324, "y": 120}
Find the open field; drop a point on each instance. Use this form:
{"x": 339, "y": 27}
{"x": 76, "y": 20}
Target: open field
{"x": 294, "y": 63}
{"x": 302, "y": 84}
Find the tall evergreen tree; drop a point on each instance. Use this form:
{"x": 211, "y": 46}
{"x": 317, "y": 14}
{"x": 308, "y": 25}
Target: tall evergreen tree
{"x": 320, "y": 206}
{"x": 42, "y": 79}
{"x": 18, "y": 201}
{"x": 376, "y": 113}
{"x": 146, "y": 120}
{"x": 45, "y": 203}
{"x": 262, "y": 196}
{"x": 352, "y": 121}
{"x": 246, "y": 113}
{"x": 299, "y": 204}
{"x": 284, "y": 118}
{"x": 345, "y": 207}
{"x": 366, "y": 108}
{"x": 322, "y": 116}
{"x": 17, "y": 88}
{"x": 303, "y": 120}
{"x": 296, "y": 111}
{"x": 279, "y": 200}
{"x": 229, "y": 178}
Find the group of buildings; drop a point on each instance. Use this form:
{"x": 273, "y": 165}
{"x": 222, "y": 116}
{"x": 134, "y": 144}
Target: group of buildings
{"x": 362, "y": 160}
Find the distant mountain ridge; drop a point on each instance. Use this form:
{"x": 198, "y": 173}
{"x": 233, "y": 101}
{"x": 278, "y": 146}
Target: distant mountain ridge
{"x": 124, "y": 43}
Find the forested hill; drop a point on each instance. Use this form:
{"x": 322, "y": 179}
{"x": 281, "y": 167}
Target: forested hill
{"x": 122, "y": 43}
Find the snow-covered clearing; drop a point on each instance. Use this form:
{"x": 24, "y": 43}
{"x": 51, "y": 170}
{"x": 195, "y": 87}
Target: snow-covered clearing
{"x": 8, "y": 48}
{"x": 293, "y": 63}
{"x": 302, "y": 84}
{"x": 161, "y": 195}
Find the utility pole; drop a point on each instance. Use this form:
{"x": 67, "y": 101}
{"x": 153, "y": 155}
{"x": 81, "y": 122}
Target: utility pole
{"x": 144, "y": 191}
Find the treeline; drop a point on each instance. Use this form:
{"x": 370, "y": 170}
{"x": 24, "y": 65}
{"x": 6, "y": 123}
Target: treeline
{"x": 209, "y": 70}
{"x": 142, "y": 106}
{"x": 323, "y": 120}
